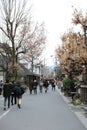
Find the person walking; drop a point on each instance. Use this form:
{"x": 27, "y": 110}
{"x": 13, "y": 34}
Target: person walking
{"x": 46, "y": 84}
{"x": 53, "y": 85}
{"x": 13, "y": 94}
{"x": 31, "y": 87}
{"x": 7, "y": 88}
{"x": 19, "y": 91}
{"x": 35, "y": 83}
{"x": 41, "y": 85}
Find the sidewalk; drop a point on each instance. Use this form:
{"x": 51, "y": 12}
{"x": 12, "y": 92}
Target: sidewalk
{"x": 79, "y": 110}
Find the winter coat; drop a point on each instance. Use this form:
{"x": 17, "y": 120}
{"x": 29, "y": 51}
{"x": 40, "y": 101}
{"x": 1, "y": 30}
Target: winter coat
{"x": 7, "y": 89}
{"x": 13, "y": 88}
{"x": 19, "y": 91}
{"x": 46, "y": 84}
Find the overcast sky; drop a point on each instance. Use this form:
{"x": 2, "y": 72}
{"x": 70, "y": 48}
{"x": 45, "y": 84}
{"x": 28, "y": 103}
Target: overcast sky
{"x": 57, "y": 16}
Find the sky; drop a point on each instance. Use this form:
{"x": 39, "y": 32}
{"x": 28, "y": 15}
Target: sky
{"x": 57, "y": 16}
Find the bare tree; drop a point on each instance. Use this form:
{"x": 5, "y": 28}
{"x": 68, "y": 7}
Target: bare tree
{"x": 35, "y": 43}
{"x": 13, "y": 19}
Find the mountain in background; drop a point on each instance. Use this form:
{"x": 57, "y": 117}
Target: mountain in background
{"x": 51, "y": 68}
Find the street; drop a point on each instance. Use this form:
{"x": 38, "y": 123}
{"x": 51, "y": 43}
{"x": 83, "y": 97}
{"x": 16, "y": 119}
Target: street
{"x": 43, "y": 111}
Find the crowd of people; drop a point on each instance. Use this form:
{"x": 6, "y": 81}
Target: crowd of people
{"x": 42, "y": 84}
{"x": 12, "y": 93}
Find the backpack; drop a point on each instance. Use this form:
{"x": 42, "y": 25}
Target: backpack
{"x": 19, "y": 90}
{"x": 22, "y": 90}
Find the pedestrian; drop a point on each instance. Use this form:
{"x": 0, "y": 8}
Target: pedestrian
{"x": 19, "y": 91}
{"x": 31, "y": 87}
{"x": 46, "y": 84}
{"x": 53, "y": 85}
{"x": 7, "y": 88}
{"x": 41, "y": 85}
{"x": 13, "y": 94}
{"x": 35, "y": 84}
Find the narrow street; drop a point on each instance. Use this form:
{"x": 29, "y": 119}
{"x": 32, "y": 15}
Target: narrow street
{"x": 44, "y": 111}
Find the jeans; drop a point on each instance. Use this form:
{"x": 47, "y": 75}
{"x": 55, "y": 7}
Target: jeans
{"x": 7, "y": 99}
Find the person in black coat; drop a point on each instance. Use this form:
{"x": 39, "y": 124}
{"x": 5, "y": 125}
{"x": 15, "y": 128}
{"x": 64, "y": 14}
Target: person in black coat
{"x": 35, "y": 84}
{"x": 19, "y": 91}
{"x": 7, "y": 88}
{"x": 13, "y": 94}
{"x": 46, "y": 84}
{"x": 53, "y": 85}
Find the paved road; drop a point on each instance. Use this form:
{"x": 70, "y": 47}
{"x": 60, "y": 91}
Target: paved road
{"x": 46, "y": 111}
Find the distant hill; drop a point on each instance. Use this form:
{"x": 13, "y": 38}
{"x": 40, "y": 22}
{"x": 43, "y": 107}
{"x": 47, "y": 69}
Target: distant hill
{"x": 50, "y": 68}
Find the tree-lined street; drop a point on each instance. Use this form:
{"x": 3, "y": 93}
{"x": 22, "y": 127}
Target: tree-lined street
{"x": 44, "y": 111}
{"x": 24, "y": 57}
